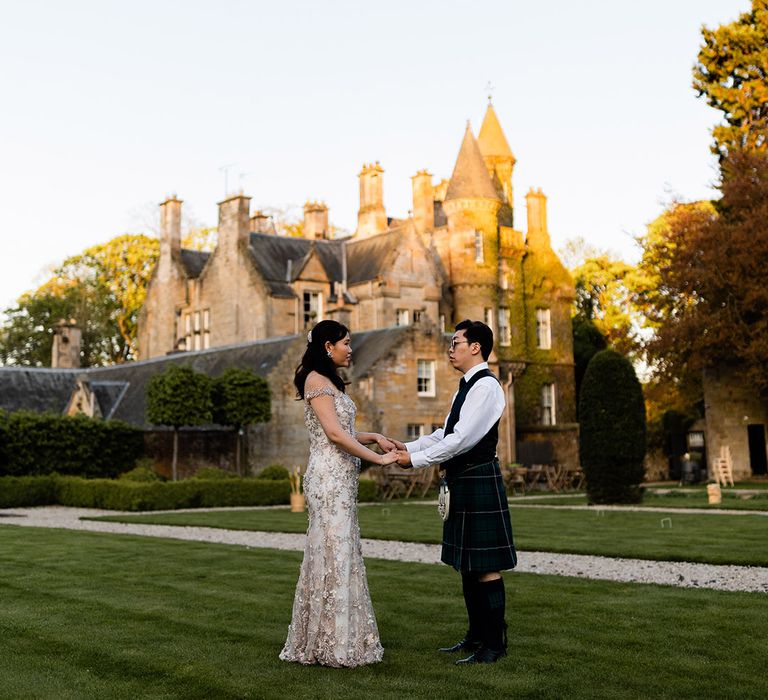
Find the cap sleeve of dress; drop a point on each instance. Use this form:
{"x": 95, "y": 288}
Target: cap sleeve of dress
{"x": 322, "y": 391}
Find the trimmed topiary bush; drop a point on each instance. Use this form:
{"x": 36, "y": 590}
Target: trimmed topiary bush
{"x": 274, "y": 471}
{"x": 612, "y": 419}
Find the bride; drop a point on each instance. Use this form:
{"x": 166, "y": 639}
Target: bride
{"x": 333, "y": 623}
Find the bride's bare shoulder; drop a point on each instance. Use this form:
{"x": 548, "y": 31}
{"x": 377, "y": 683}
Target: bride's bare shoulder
{"x": 317, "y": 384}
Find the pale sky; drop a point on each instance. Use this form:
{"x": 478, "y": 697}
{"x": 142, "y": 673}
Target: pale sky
{"x": 106, "y": 107}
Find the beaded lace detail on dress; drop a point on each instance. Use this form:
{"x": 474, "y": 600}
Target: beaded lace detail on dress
{"x": 333, "y": 622}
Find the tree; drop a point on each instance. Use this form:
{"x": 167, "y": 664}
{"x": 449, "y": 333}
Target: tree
{"x": 732, "y": 73}
{"x": 179, "y": 396}
{"x": 612, "y": 430}
{"x": 587, "y": 342}
{"x": 711, "y": 302}
{"x": 102, "y": 288}
{"x": 240, "y": 398}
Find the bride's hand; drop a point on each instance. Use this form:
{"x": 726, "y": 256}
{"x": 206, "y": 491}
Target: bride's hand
{"x": 387, "y": 458}
{"x": 386, "y": 444}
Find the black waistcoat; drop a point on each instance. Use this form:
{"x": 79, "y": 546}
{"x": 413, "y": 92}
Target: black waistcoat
{"x": 485, "y": 450}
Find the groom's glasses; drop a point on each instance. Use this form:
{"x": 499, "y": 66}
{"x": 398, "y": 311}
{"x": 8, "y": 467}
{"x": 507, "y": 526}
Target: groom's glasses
{"x": 454, "y": 342}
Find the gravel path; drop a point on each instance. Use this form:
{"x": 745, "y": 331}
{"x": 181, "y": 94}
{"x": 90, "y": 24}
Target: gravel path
{"x": 684, "y": 574}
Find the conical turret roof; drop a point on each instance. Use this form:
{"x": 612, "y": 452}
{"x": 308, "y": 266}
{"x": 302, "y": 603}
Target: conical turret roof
{"x": 491, "y": 138}
{"x": 470, "y": 179}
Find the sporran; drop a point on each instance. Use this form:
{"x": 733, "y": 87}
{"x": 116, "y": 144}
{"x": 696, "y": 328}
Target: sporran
{"x": 443, "y": 498}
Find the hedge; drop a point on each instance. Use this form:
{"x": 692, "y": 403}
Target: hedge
{"x": 42, "y": 443}
{"x": 112, "y": 494}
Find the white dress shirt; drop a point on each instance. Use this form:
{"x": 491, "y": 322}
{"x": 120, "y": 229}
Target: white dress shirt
{"x": 482, "y": 407}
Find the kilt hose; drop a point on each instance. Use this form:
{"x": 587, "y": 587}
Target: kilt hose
{"x": 477, "y": 536}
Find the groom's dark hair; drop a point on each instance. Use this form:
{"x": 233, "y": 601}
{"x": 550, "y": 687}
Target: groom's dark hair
{"x": 478, "y": 332}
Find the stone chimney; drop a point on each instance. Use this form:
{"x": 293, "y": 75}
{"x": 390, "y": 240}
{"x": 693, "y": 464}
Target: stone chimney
{"x": 538, "y": 233}
{"x": 372, "y": 217}
{"x": 316, "y": 220}
{"x": 66, "y": 345}
{"x": 261, "y": 223}
{"x": 170, "y": 226}
{"x": 234, "y": 225}
{"x": 423, "y": 201}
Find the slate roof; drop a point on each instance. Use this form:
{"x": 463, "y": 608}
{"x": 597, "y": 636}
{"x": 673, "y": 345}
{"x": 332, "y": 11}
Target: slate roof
{"x": 194, "y": 261}
{"x": 121, "y": 389}
{"x": 280, "y": 259}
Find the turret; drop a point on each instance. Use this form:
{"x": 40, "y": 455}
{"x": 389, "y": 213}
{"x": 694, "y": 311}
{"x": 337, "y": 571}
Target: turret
{"x": 469, "y": 250}
{"x": 499, "y": 161}
{"x": 371, "y": 217}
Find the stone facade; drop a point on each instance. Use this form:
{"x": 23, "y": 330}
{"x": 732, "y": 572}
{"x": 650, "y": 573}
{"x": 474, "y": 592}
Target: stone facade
{"x": 737, "y": 417}
{"x": 458, "y": 256}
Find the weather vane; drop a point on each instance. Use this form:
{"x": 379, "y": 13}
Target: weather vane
{"x": 489, "y": 89}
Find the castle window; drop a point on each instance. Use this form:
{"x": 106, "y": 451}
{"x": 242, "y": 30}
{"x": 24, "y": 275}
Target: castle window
{"x": 548, "y": 404}
{"x": 402, "y": 317}
{"x": 197, "y": 330}
{"x": 543, "y": 329}
{"x": 313, "y": 308}
{"x": 415, "y": 431}
{"x": 425, "y": 377}
{"x": 479, "y": 253}
{"x": 505, "y": 336}
{"x": 417, "y": 316}
{"x": 442, "y": 323}
{"x": 488, "y": 313}
{"x": 206, "y": 328}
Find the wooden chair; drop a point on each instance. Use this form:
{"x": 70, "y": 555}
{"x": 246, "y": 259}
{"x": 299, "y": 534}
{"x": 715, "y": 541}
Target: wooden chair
{"x": 514, "y": 479}
{"x": 723, "y": 467}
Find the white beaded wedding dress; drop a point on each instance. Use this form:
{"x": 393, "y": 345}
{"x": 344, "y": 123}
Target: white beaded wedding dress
{"x": 333, "y": 623}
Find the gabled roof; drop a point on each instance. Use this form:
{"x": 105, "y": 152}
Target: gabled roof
{"x": 470, "y": 179}
{"x": 367, "y": 258}
{"x": 491, "y": 139}
{"x": 193, "y": 261}
{"x": 36, "y": 389}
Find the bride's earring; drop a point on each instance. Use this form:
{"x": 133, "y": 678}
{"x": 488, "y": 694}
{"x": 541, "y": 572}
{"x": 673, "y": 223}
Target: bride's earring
{"x": 329, "y": 353}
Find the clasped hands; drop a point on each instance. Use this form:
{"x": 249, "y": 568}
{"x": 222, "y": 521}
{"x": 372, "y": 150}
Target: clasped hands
{"x": 395, "y": 451}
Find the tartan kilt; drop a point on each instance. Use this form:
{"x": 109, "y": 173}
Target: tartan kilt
{"x": 477, "y": 536}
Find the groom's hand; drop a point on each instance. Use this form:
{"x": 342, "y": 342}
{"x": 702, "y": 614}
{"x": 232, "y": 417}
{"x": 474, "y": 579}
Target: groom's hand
{"x": 404, "y": 458}
{"x": 399, "y": 445}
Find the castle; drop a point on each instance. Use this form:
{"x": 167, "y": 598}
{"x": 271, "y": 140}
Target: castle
{"x": 457, "y": 256}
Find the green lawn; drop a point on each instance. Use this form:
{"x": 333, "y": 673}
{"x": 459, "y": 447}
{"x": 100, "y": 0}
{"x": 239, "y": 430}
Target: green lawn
{"x": 88, "y": 615}
{"x": 674, "y": 498}
{"x": 720, "y": 539}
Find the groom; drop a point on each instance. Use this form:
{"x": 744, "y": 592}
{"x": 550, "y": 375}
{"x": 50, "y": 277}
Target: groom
{"x": 477, "y": 536}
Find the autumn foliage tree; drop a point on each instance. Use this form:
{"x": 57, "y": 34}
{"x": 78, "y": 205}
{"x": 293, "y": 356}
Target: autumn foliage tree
{"x": 711, "y": 302}
{"x": 732, "y": 74}
{"x": 102, "y": 288}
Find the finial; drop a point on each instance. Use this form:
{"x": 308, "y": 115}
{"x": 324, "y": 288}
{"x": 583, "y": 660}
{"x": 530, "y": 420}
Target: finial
{"x": 489, "y": 89}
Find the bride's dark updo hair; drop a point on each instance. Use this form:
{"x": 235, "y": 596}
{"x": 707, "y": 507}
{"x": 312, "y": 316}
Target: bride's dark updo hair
{"x": 316, "y": 358}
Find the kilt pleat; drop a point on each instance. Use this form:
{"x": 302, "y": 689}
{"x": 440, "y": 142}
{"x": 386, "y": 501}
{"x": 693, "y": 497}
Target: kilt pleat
{"x": 477, "y": 536}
